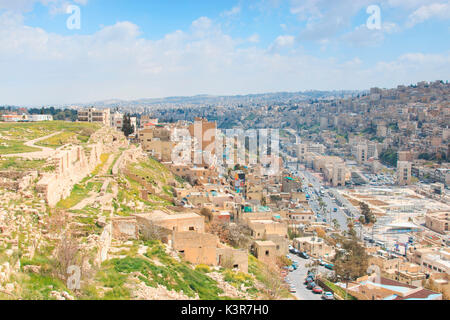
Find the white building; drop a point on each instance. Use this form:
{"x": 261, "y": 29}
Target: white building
{"x": 40, "y": 117}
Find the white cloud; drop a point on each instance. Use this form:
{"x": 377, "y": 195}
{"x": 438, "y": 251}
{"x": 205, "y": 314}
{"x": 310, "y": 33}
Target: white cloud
{"x": 39, "y": 67}
{"x": 326, "y": 19}
{"x": 253, "y": 38}
{"x": 364, "y": 37}
{"x": 284, "y": 41}
{"x": 426, "y": 12}
{"x": 55, "y": 6}
{"x": 232, "y": 12}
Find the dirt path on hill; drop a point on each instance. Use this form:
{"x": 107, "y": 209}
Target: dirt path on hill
{"x": 45, "y": 152}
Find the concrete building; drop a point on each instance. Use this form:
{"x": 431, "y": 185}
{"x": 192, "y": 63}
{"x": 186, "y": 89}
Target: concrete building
{"x": 94, "y": 115}
{"x": 266, "y": 251}
{"x": 25, "y": 117}
{"x": 432, "y": 260}
{"x": 438, "y": 222}
{"x": 339, "y": 174}
{"x": 362, "y": 153}
{"x": 156, "y": 140}
{"x": 404, "y": 173}
{"x": 314, "y": 246}
{"x": 297, "y": 217}
{"x": 117, "y": 120}
{"x": 168, "y": 223}
{"x": 40, "y": 117}
{"x": 204, "y": 133}
{"x": 371, "y": 288}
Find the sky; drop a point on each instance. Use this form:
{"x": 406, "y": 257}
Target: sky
{"x": 132, "y": 49}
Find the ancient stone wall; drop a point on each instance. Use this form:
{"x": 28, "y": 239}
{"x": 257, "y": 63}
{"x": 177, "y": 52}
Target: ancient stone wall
{"x": 125, "y": 228}
{"x": 73, "y": 164}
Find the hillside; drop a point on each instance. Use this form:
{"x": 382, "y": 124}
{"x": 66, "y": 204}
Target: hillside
{"x": 38, "y": 242}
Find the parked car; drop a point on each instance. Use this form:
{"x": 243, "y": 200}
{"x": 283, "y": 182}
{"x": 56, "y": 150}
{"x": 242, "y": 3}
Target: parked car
{"x": 327, "y": 295}
{"x": 311, "y": 285}
{"x": 308, "y": 280}
{"x": 304, "y": 255}
{"x": 294, "y": 266}
{"x": 317, "y": 290}
{"x": 321, "y": 262}
{"x": 292, "y": 289}
{"x": 329, "y": 266}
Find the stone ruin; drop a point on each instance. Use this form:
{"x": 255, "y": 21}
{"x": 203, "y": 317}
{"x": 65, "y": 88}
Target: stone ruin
{"x": 74, "y": 163}
{"x": 17, "y": 180}
{"x": 71, "y": 166}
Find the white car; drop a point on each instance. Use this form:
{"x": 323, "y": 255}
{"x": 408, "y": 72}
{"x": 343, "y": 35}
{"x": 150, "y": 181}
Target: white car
{"x": 327, "y": 296}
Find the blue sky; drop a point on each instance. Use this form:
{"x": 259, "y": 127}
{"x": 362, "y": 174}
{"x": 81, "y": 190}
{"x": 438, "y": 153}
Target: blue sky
{"x": 130, "y": 49}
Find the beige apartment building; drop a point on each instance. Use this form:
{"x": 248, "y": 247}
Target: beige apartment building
{"x": 438, "y": 221}
{"x": 94, "y": 115}
{"x": 404, "y": 173}
{"x": 314, "y": 246}
{"x": 157, "y": 141}
{"x": 432, "y": 260}
{"x": 362, "y": 153}
{"x": 297, "y": 217}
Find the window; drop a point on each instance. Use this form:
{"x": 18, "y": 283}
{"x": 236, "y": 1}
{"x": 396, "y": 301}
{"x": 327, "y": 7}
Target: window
{"x": 267, "y": 252}
{"x": 191, "y": 229}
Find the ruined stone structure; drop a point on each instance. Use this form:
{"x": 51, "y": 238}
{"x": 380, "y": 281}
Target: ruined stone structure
{"x": 72, "y": 165}
{"x": 125, "y": 228}
{"x": 17, "y": 180}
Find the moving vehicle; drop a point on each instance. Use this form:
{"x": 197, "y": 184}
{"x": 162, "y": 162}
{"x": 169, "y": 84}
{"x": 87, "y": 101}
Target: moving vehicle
{"x": 327, "y": 295}
{"x": 317, "y": 290}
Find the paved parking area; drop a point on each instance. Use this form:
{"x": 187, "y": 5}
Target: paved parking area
{"x": 298, "y": 276}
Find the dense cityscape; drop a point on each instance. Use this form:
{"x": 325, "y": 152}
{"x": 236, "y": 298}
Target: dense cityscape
{"x": 360, "y": 192}
{"x": 239, "y": 159}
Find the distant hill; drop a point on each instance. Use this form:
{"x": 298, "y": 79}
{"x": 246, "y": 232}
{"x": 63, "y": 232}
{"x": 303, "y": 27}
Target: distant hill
{"x": 226, "y": 100}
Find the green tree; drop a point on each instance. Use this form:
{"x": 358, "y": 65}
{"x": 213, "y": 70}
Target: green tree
{"x": 366, "y": 214}
{"x": 127, "y": 128}
{"x": 352, "y": 262}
